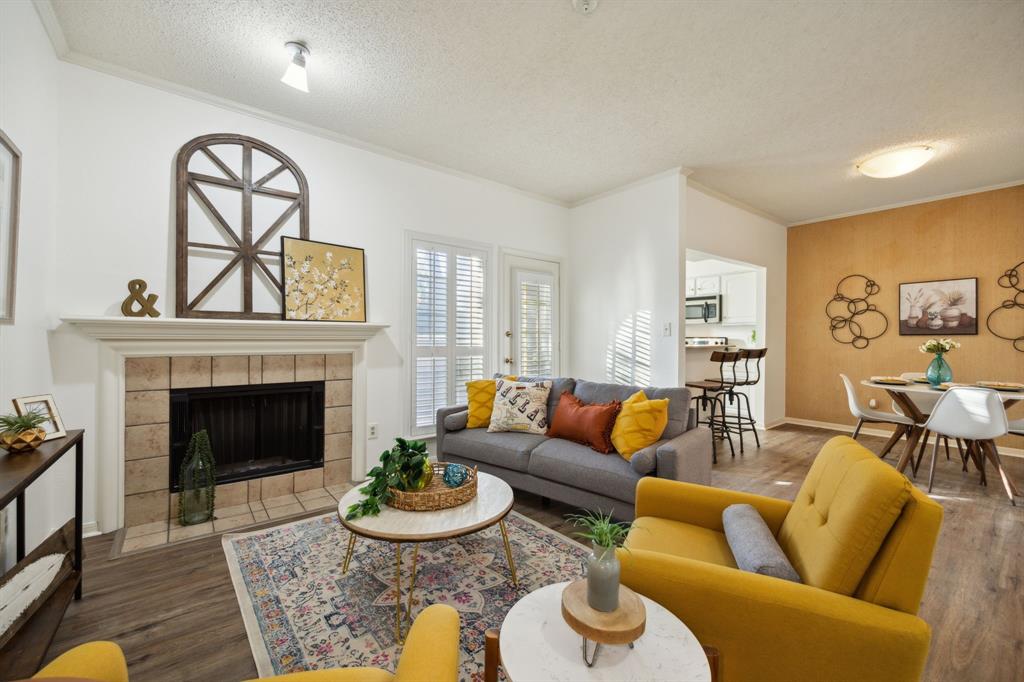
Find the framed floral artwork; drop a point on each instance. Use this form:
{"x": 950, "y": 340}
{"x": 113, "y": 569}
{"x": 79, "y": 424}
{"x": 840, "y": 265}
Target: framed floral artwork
{"x": 939, "y": 307}
{"x": 323, "y": 282}
{"x": 44, "y": 405}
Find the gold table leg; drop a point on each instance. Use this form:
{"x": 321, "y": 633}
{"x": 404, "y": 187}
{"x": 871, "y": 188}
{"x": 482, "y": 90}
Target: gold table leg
{"x": 508, "y": 552}
{"x": 412, "y": 582}
{"x": 398, "y": 592}
{"x": 348, "y": 554}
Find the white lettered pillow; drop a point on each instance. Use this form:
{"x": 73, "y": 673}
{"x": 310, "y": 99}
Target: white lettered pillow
{"x": 520, "y": 406}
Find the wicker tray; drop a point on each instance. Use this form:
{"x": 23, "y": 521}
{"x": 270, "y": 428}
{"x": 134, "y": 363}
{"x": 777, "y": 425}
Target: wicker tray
{"x": 436, "y": 495}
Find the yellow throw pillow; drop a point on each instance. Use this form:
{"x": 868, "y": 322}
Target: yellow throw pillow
{"x": 640, "y": 423}
{"x": 480, "y": 395}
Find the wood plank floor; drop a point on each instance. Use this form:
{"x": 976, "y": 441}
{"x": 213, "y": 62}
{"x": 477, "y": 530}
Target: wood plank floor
{"x": 173, "y": 610}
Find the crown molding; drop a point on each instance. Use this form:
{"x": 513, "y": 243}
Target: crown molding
{"x": 913, "y": 202}
{"x": 48, "y": 17}
{"x": 676, "y": 170}
{"x": 704, "y": 189}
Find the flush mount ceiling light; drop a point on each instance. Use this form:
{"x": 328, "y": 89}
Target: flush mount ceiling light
{"x": 897, "y": 162}
{"x": 584, "y": 6}
{"x": 295, "y": 76}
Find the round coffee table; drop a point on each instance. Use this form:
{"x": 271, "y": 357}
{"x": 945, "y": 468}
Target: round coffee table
{"x": 491, "y": 505}
{"x": 537, "y": 644}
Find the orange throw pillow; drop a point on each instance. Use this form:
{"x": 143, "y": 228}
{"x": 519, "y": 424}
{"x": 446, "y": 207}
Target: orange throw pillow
{"x": 589, "y": 425}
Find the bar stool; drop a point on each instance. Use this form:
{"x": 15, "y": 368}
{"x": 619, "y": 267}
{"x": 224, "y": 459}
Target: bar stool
{"x": 712, "y": 391}
{"x": 751, "y": 378}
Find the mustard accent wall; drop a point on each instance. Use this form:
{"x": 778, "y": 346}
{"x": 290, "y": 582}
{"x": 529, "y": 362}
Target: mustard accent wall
{"x": 978, "y": 235}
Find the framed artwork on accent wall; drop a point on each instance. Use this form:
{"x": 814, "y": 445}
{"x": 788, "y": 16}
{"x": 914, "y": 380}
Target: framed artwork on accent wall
{"x": 43, "y": 404}
{"x": 10, "y": 191}
{"x": 323, "y": 282}
{"x": 942, "y": 307}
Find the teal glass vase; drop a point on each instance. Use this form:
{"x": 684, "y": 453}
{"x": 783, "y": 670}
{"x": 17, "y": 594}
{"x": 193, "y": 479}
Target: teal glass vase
{"x": 938, "y": 371}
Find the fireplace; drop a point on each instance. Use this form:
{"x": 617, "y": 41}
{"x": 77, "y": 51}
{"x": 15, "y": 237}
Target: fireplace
{"x": 255, "y": 430}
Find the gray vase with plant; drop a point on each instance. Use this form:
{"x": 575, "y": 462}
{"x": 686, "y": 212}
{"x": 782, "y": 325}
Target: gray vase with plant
{"x": 603, "y": 568}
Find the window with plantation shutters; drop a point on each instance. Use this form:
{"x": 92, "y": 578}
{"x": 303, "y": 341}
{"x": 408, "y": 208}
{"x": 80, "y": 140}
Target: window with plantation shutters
{"x": 450, "y": 320}
{"x": 536, "y": 331}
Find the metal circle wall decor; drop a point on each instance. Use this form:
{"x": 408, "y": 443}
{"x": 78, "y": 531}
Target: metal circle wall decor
{"x": 852, "y": 319}
{"x": 1012, "y": 279}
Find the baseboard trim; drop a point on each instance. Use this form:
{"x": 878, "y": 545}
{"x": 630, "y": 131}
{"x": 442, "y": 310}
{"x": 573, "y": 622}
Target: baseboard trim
{"x": 89, "y": 529}
{"x": 846, "y": 428}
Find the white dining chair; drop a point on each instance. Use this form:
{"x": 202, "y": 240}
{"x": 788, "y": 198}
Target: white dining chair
{"x": 1016, "y": 427}
{"x": 977, "y": 416}
{"x": 867, "y": 415}
{"x": 925, "y": 403}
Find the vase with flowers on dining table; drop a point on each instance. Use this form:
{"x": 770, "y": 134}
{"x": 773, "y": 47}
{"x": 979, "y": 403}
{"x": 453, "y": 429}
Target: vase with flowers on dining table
{"x": 938, "y": 371}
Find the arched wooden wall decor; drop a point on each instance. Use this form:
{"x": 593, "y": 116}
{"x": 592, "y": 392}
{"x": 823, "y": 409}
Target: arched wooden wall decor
{"x": 852, "y": 320}
{"x": 1012, "y": 279}
{"x": 247, "y": 251}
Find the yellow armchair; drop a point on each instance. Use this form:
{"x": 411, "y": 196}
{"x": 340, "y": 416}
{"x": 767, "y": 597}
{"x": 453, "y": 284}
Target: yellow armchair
{"x": 431, "y": 654}
{"x": 858, "y": 533}
{"x": 100, "y": 661}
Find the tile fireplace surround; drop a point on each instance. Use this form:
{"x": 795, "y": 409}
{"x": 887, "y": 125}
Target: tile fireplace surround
{"x": 141, "y": 360}
{"x": 148, "y": 382}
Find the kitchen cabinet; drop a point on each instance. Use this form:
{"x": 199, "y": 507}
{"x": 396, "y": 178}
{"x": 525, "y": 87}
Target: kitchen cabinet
{"x": 691, "y": 286}
{"x": 739, "y": 298}
{"x": 706, "y": 286}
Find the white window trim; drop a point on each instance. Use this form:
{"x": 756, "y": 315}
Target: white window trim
{"x": 409, "y": 315}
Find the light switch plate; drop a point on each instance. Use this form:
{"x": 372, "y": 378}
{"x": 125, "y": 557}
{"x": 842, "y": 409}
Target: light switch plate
{"x": 666, "y": 330}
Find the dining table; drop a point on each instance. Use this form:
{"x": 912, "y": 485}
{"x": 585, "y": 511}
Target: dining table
{"x": 903, "y": 396}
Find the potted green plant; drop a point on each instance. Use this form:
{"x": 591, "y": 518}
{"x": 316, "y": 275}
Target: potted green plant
{"x": 938, "y": 370}
{"x": 22, "y": 432}
{"x": 406, "y": 466}
{"x": 602, "y": 565}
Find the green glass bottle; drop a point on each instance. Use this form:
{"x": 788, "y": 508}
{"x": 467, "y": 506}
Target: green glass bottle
{"x": 198, "y": 482}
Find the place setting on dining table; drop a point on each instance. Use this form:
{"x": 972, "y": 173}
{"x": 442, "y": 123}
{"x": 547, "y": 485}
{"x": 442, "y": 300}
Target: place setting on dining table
{"x": 973, "y": 414}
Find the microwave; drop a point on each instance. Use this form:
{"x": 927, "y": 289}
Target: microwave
{"x": 704, "y": 309}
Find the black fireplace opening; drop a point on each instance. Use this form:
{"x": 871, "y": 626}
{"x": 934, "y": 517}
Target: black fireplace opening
{"x": 254, "y": 430}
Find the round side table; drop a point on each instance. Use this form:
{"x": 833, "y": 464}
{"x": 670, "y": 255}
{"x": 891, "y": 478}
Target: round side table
{"x": 537, "y": 644}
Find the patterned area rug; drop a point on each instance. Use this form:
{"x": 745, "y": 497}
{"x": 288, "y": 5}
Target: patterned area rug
{"x": 302, "y": 613}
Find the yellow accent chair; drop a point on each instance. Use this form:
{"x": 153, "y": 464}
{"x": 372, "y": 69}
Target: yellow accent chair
{"x": 858, "y": 533}
{"x": 100, "y": 661}
{"x": 430, "y": 654}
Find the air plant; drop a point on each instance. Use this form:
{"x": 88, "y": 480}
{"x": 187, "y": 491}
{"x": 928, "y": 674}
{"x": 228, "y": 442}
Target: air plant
{"x": 600, "y": 529}
{"x": 19, "y": 423}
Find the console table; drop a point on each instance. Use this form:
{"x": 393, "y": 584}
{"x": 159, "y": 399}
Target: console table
{"x": 21, "y": 656}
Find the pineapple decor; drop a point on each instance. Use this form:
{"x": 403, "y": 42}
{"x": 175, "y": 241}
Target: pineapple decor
{"x": 198, "y": 481}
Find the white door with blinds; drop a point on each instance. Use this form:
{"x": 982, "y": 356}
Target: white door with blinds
{"x": 449, "y": 318}
{"x": 532, "y": 314}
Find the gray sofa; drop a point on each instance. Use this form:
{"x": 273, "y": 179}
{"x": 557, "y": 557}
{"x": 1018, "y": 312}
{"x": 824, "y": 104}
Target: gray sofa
{"x": 573, "y": 473}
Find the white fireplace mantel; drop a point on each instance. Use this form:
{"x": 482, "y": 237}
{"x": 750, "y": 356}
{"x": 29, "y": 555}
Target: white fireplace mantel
{"x": 122, "y": 337}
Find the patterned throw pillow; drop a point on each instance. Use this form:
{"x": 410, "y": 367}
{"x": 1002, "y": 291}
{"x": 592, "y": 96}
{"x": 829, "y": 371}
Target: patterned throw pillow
{"x": 520, "y": 406}
{"x": 639, "y": 424}
{"x": 480, "y": 396}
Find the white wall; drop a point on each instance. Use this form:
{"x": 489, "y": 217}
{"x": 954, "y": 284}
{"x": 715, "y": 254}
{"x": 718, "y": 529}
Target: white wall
{"x": 625, "y": 248}
{"x": 715, "y": 226}
{"x": 28, "y": 115}
{"x": 111, "y": 199}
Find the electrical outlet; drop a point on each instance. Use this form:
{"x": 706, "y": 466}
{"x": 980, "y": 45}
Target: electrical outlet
{"x": 873, "y": 404}
{"x": 371, "y": 430}
{"x": 666, "y": 330}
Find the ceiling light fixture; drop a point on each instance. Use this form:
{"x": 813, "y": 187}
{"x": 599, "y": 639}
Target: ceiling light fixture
{"x": 295, "y": 76}
{"x": 584, "y": 6}
{"x": 897, "y": 162}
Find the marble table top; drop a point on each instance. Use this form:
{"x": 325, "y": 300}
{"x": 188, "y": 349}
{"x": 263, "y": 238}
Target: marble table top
{"x": 492, "y": 503}
{"x": 537, "y": 644}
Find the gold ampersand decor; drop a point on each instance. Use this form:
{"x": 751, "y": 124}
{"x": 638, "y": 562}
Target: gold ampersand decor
{"x": 147, "y": 304}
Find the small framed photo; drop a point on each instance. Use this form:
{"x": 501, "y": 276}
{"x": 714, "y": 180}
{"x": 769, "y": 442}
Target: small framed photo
{"x": 44, "y": 405}
{"x": 942, "y": 307}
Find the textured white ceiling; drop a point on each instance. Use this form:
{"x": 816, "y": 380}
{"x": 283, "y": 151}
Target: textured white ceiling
{"x": 771, "y": 103}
